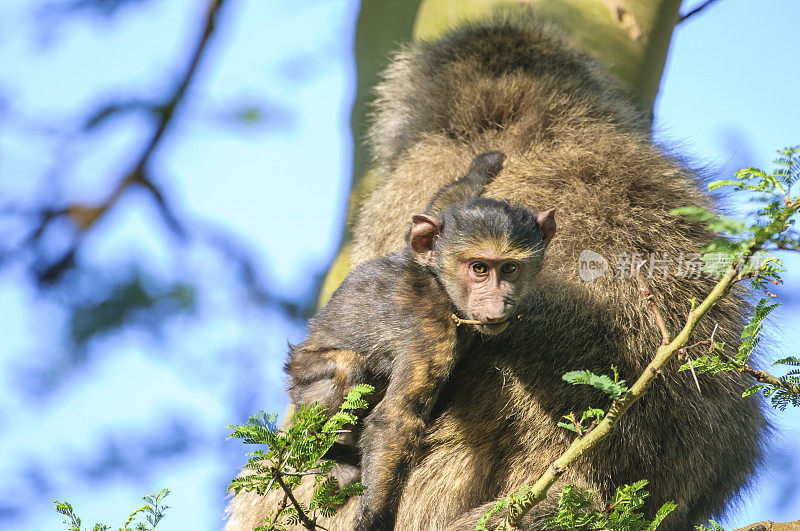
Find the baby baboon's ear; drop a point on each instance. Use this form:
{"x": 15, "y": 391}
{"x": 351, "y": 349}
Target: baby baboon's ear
{"x": 424, "y": 230}
{"x": 547, "y": 225}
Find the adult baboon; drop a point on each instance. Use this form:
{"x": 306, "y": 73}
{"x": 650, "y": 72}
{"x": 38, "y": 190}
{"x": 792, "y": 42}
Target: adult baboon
{"x": 574, "y": 141}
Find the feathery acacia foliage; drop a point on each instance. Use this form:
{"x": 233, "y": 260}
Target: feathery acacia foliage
{"x": 775, "y": 192}
{"x": 712, "y": 526}
{"x": 576, "y": 506}
{"x": 613, "y": 388}
{"x": 576, "y": 510}
{"x": 152, "y": 510}
{"x": 294, "y": 453}
{"x": 779, "y": 395}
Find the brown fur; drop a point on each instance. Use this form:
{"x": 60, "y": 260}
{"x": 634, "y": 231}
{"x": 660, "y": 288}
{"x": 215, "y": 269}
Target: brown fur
{"x": 573, "y": 141}
{"x": 390, "y": 324}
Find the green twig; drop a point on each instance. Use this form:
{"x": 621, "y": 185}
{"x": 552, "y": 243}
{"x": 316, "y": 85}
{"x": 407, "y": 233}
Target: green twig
{"x": 763, "y": 376}
{"x": 301, "y": 514}
{"x": 663, "y": 355}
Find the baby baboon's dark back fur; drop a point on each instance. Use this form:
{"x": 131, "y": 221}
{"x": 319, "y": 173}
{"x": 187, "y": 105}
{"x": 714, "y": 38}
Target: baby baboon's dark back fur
{"x": 574, "y": 141}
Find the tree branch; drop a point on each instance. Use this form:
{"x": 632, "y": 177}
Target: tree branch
{"x": 301, "y": 514}
{"x": 664, "y": 354}
{"x": 85, "y": 216}
{"x": 169, "y": 107}
{"x": 763, "y": 376}
{"x": 280, "y": 508}
{"x": 695, "y": 10}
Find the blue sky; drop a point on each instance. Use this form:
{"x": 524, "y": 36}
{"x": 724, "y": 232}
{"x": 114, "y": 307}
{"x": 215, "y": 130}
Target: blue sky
{"x": 729, "y": 99}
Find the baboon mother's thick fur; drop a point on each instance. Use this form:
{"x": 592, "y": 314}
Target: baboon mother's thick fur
{"x": 573, "y": 141}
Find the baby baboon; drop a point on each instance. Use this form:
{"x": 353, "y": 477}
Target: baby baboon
{"x": 394, "y": 323}
{"x": 573, "y": 141}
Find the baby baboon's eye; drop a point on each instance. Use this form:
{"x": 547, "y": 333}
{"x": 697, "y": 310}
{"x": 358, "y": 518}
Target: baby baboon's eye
{"x": 480, "y": 268}
{"x": 508, "y": 268}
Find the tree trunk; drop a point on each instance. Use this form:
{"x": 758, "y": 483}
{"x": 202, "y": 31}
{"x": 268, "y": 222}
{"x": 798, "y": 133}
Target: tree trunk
{"x": 382, "y": 25}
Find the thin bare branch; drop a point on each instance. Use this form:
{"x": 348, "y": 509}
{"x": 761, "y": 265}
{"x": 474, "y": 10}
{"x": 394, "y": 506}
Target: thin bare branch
{"x": 177, "y": 97}
{"x": 85, "y": 216}
{"x": 459, "y": 321}
{"x": 695, "y": 10}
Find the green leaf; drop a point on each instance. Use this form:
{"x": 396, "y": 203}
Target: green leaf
{"x": 713, "y": 526}
{"x": 751, "y": 332}
{"x": 296, "y": 452}
{"x": 662, "y": 513}
{"x": 496, "y": 508}
{"x": 714, "y": 222}
{"x": 723, "y": 182}
{"x": 752, "y": 389}
{"x": 153, "y": 511}
{"x": 601, "y": 382}
{"x": 578, "y": 509}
